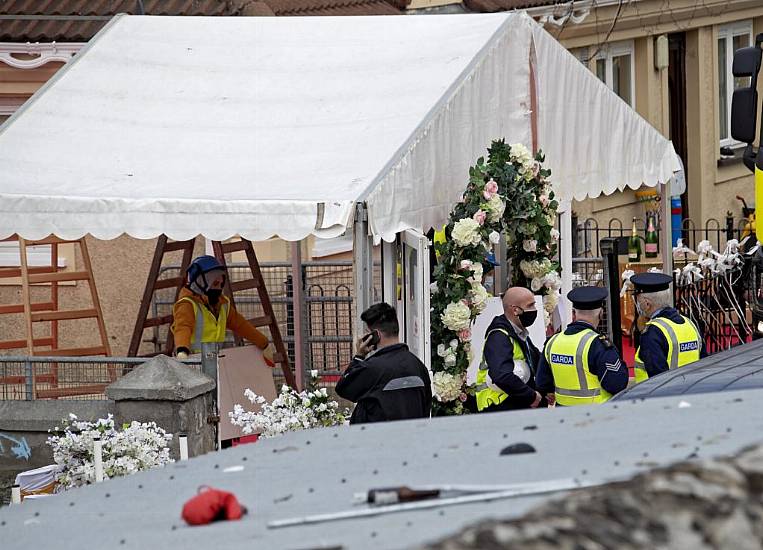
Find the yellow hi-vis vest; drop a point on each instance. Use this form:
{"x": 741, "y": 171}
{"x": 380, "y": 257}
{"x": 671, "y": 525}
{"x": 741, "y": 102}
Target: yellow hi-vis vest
{"x": 439, "y": 237}
{"x": 567, "y": 355}
{"x": 206, "y": 328}
{"x": 683, "y": 345}
{"x": 488, "y": 393}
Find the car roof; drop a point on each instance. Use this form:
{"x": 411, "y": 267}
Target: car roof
{"x": 736, "y": 369}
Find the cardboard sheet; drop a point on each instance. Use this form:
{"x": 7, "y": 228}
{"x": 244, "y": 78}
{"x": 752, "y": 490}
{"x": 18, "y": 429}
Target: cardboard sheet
{"x": 241, "y": 368}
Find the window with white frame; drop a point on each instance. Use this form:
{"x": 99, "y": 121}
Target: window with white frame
{"x": 614, "y": 64}
{"x": 730, "y": 38}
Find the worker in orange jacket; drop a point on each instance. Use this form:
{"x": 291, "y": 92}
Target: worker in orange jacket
{"x": 202, "y": 314}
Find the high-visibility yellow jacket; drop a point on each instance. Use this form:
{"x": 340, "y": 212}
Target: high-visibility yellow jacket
{"x": 575, "y": 384}
{"x": 194, "y": 323}
{"x": 684, "y": 345}
{"x": 487, "y": 393}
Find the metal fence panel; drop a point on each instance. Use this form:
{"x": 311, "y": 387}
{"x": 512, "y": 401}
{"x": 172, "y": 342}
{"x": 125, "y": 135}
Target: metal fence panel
{"x": 78, "y": 378}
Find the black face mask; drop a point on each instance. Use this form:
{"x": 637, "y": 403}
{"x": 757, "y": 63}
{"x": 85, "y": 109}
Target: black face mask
{"x": 213, "y": 295}
{"x": 527, "y": 318}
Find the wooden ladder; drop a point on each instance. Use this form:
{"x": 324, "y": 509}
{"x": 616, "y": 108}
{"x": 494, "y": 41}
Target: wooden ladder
{"x": 220, "y": 249}
{"x": 49, "y": 312}
{"x": 256, "y": 281}
{"x": 153, "y": 284}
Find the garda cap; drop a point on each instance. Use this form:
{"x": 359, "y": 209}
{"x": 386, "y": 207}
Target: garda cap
{"x": 587, "y": 297}
{"x": 650, "y": 282}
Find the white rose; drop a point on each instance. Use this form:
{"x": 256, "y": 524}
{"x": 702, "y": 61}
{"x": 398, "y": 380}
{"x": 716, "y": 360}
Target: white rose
{"x": 466, "y": 232}
{"x": 555, "y": 234}
{"x": 433, "y": 288}
{"x": 521, "y": 154}
{"x": 456, "y": 316}
{"x": 479, "y": 297}
{"x": 453, "y": 344}
{"x": 530, "y": 245}
{"x": 494, "y": 237}
{"x": 466, "y": 264}
{"x": 536, "y": 284}
{"x": 441, "y": 350}
{"x": 552, "y": 280}
{"x": 476, "y": 274}
{"x": 447, "y": 387}
{"x": 496, "y": 207}
{"x": 450, "y": 360}
{"x": 314, "y": 374}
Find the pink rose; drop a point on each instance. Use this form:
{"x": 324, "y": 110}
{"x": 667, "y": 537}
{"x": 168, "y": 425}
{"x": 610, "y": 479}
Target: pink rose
{"x": 480, "y": 216}
{"x": 465, "y": 335}
{"x": 544, "y": 200}
{"x": 462, "y": 397}
{"x": 491, "y": 188}
{"x": 466, "y": 264}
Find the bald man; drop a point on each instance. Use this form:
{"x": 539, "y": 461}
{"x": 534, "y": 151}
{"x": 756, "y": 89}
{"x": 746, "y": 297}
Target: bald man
{"x": 506, "y": 377}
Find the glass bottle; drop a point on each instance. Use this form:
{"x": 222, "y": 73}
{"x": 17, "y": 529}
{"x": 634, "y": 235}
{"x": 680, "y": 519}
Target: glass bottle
{"x": 634, "y": 245}
{"x": 650, "y": 243}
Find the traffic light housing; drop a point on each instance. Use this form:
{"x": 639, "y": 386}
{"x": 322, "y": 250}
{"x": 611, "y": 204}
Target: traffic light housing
{"x": 744, "y": 110}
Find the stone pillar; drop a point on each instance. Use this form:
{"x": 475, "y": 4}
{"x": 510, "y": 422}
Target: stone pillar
{"x": 175, "y": 396}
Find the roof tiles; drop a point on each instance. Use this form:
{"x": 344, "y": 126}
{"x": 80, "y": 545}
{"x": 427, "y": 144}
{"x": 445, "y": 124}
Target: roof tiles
{"x": 80, "y": 20}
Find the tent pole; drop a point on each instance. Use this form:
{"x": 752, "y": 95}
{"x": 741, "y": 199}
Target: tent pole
{"x": 565, "y": 257}
{"x": 362, "y": 259}
{"x": 389, "y": 272}
{"x": 299, "y": 316}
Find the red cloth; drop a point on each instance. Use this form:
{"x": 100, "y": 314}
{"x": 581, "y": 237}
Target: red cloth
{"x": 212, "y": 505}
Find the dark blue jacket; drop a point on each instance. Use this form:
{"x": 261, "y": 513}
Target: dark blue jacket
{"x": 603, "y": 361}
{"x": 499, "y": 355}
{"x": 653, "y": 347}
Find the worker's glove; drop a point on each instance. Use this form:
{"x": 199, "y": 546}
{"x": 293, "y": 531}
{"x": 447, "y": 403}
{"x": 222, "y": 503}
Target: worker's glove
{"x": 182, "y": 354}
{"x": 212, "y": 505}
{"x": 267, "y": 353}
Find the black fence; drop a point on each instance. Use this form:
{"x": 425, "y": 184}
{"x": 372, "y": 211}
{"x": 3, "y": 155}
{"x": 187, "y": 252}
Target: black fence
{"x": 587, "y": 234}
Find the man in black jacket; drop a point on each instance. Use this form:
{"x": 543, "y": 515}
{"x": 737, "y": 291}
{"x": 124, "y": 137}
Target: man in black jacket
{"x": 506, "y": 377}
{"x": 384, "y": 379}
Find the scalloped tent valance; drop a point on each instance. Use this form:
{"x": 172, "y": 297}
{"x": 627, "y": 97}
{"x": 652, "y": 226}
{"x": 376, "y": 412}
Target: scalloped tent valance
{"x": 277, "y": 126}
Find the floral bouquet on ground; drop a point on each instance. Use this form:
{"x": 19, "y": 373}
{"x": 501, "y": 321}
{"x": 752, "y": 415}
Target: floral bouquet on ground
{"x": 137, "y": 447}
{"x": 290, "y": 411}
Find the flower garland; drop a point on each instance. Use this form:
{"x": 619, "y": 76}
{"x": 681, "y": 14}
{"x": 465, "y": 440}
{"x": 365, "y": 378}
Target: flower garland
{"x": 509, "y": 195}
{"x": 137, "y": 447}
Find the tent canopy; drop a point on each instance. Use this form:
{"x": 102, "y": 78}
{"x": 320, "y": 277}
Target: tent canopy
{"x": 277, "y": 126}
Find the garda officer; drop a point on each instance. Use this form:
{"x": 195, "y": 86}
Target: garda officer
{"x": 202, "y": 314}
{"x": 670, "y": 340}
{"x": 580, "y": 366}
{"x": 506, "y": 376}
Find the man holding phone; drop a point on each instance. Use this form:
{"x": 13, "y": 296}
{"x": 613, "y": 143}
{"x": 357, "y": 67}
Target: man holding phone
{"x": 384, "y": 379}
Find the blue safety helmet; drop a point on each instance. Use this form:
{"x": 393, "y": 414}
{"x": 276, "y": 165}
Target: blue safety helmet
{"x": 198, "y": 271}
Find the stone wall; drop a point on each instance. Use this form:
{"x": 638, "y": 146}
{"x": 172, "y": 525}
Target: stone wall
{"x": 178, "y": 398}
{"x": 702, "y": 505}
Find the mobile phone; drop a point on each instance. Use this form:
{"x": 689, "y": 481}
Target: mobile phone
{"x": 372, "y": 338}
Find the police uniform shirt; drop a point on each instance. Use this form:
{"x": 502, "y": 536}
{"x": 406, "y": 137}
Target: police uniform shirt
{"x": 653, "y": 346}
{"x": 603, "y": 362}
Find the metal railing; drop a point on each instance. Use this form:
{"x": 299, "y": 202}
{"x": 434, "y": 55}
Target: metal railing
{"x": 79, "y": 378}
{"x": 588, "y": 234}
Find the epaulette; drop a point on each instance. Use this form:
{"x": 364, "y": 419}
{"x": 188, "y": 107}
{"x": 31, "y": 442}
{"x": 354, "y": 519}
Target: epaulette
{"x": 604, "y": 340}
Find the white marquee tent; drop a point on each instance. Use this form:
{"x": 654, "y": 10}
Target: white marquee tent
{"x": 281, "y": 126}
